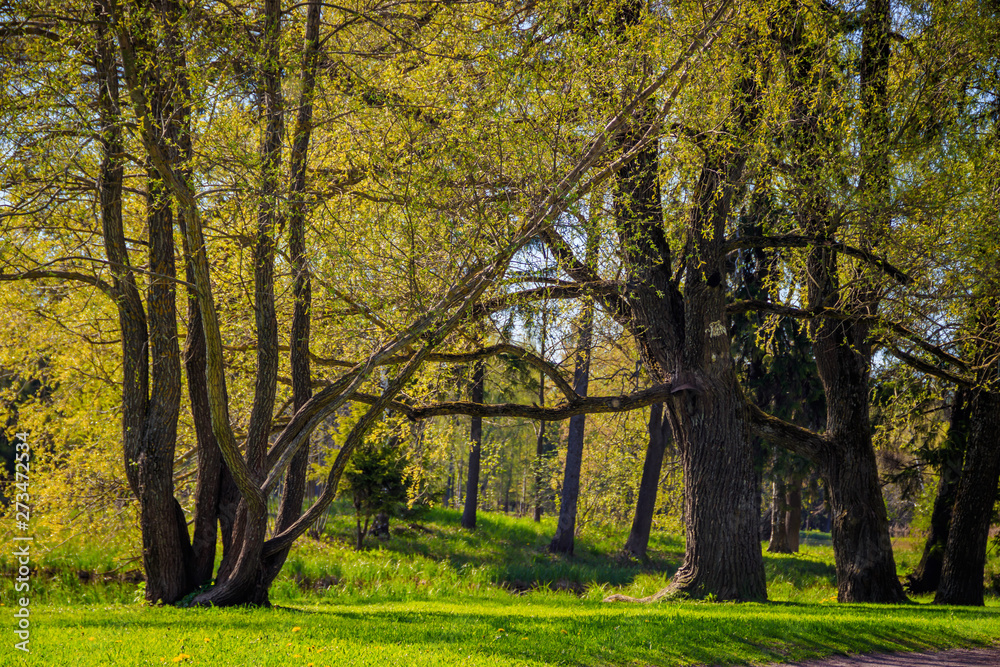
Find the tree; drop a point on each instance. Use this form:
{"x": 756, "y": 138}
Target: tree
{"x": 165, "y": 102}
{"x": 843, "y": 348}
{"x": 376, "y": 479}
{"x": 475, "y": 450}
{"x": 927, "y": 575}
{"x": 645, "y": 504}
{"x": 562, "y": 541}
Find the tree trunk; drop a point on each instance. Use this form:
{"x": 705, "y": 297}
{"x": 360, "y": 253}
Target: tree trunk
{"x": 151, "y": 383}
{"x": 866, "y": 570}
{"x": 793, "y": 513}
{"x": 293, "y": 493}
{"x": 562, "y": 541}
{"x": 166, "y": 544}
{"x": 684, "y": 340}
{"x": 927, "y": 575}
{"x": 965, "y": 554}
{"x": 778, "y": 544}
{"x": 475, "y": 450}
{"x": 645, "y": 506}
{"x": 244, "y": 575}
{"x": 541, "y": 444}
{"x": 208, "y": 492}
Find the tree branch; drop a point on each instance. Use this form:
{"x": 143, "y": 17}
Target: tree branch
{"x": 800, "y": 241}
{"x": 924, "y": 367}
{"x": 749, "y": 305}
{"x": 578, "y": 406}
{"x": 39, "y": 274}
{"x": 468, "y": 357}
{"x": 794, "y": 438}
{"x": 600, "y": 288}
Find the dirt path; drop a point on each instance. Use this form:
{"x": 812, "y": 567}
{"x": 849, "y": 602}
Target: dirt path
{"x": 952, "y": 658}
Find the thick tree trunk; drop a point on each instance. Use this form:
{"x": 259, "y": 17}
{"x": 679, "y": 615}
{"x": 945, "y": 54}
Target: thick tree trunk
{"x": 475, "y": 451}
{"x": 866, "y": 569}
{"x": 722, "y": 556}
{"x": 684, "y": 340}
{"x": 642, "y": 522}
{"x": 246, "y": 579}
{"x": 793, "y": 513}
{"x": 150, "y": 391}
{"x": 562, "y": 541}
{"x": 166, "y": 544}
{"x": 778, "y": 544}
{"x": 211, "y": 468}
{"x": 965, "y": 554}
{"x": 293, "y": 493}
{"x": 927, "y": 575}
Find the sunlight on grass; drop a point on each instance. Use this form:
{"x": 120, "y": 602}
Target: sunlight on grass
{"x": 435, "y": 594}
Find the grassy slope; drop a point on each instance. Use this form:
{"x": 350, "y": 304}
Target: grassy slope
{"x": 430, "y": 597}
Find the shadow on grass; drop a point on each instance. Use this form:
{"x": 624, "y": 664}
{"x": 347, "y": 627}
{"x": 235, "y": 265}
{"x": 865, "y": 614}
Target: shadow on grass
{"x": 514, "y": 552}
{"x": 800, "y": 572}
{"x": 564, "y": 631}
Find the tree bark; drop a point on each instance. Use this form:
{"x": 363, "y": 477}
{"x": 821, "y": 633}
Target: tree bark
{"x": 642, "y": 522}
{"x": 965, "y": 554}
{"x": 562, "y": 541}
{"x": 293, "y": 493}
{"x": 212, "y": 471}
{"x": 166, "y": 544}
{"x": 151, "y": 383}
{"x": 475, "y": 451}
{"x": 927, "y": 575}
{"x": 778, "y": 544}
{"x": 793, "y": 513}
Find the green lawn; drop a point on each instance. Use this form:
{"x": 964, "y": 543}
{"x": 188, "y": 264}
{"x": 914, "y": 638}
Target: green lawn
{"x": 535, "y": 629}
{"x": 435, "y": 594}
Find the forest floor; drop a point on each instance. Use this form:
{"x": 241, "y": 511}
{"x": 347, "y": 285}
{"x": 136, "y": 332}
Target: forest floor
{"x": 435, "y": 594}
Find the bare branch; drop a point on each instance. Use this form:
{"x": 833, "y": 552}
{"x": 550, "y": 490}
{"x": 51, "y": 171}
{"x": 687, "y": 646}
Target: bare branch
{"x": 599, "y": 288}
{"x": 924, "y": 367}
{"x": 794, "y": 438}
{"x": 579, "y": 406}
{"x": 799, "y": 241}
{"x": 39, "y": 274}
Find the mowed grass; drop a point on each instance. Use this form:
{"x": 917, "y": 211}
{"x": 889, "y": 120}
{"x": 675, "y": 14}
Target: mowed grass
{"x": 536, "y": 629}
{"x": 435, "y": 594}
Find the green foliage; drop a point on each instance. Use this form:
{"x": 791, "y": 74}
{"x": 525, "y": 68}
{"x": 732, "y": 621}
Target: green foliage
{"x": 377, "y": 481}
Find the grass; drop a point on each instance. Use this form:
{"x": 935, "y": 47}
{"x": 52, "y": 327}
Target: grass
{"x": 434, "y": 555}
{"x": 535, "y": 629}
{"x": 435, "y": 594}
